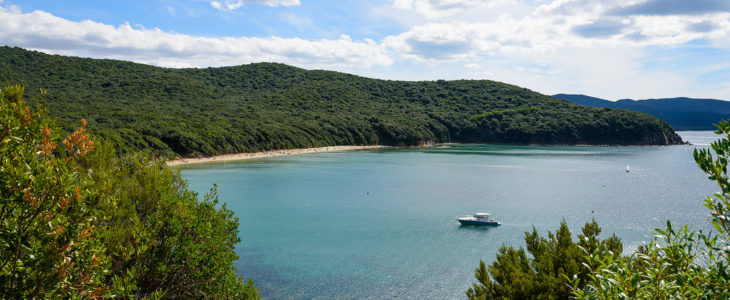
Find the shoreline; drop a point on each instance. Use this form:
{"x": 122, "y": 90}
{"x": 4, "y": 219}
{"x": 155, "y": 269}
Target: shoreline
{"x": 287, "y": 152}
{"x": 266, "y": 154}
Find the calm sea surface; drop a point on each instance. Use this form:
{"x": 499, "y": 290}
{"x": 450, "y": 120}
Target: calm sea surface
{"x": 382, "y": 224}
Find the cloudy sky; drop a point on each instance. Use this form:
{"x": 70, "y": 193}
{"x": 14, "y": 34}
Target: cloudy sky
{"x": 603, "y": 48}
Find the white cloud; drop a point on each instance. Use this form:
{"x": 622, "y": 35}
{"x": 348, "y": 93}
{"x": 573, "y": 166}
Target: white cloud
{"x": 229, "y": 5}
{"x": 432, "y": 9}
{"x": 277, "y": 2}
{"x": 545, "y": 30}
{"x": 562, "y": 46}
{"x": 572, "y": 46}
{"x": 44, "y": 32}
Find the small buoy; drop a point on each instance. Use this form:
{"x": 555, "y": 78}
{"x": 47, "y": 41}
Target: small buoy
{"x": 627, "y": 169}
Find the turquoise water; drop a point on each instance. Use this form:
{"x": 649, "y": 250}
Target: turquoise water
{"x": 382, "y": 224}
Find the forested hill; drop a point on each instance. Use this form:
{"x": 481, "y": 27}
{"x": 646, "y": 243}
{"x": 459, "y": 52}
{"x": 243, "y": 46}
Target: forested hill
{"x": 266, "y": 106}
{"x": 681, "y": 113}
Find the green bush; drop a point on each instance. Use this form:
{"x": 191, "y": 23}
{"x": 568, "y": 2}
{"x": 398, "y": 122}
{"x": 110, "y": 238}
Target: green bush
{"x": 514, "y": 275}
{"x": 48, "y": 235}
{"x": 80, "y": 222}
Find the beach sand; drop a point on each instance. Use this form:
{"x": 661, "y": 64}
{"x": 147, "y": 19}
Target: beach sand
{"x": 264, "y": 154}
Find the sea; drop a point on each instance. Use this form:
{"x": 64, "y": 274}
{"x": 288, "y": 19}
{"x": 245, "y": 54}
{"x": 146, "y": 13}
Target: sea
{"x": 381, "y": 224}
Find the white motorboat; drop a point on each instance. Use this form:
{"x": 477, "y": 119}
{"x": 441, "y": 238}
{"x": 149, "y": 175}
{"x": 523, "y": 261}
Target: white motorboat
{"x": 479, "y": 219}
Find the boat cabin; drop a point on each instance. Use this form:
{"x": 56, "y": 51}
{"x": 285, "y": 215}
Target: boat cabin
{"x": 482, "y": 216}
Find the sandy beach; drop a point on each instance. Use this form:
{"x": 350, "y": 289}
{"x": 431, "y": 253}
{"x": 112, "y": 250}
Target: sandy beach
{"x": 264, "y": 154}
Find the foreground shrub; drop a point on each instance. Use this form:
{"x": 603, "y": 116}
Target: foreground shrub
{"x": 161, "y": 239}
{"x": 48, "y": 235}
{"x": 514, "y": 275}
{"x": 79, "y": 222}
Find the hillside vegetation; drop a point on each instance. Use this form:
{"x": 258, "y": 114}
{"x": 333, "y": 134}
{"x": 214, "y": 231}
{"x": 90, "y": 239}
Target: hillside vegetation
{"x": 272, "y": 106}
{"x": 681, "y": 113}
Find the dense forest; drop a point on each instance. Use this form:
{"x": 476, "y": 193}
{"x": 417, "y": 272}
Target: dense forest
{"x": 264, "y": 106}
{"x": 681, "y": 113}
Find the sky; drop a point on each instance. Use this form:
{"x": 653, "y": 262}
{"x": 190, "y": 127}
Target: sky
{"x": 609, "y": 49}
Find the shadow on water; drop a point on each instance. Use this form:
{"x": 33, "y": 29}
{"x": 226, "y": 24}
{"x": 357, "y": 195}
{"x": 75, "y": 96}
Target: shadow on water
{"x": 476, "y": 228}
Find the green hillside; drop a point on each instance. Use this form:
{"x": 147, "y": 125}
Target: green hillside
{"x": 270, "y": 106}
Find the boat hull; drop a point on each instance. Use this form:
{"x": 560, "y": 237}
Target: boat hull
{"x": 479, "y": 223}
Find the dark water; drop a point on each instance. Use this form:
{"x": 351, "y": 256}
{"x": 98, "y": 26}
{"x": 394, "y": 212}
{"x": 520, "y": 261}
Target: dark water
{"x": 382, "y": 224}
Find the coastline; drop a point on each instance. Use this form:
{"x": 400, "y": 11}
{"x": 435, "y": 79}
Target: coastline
{"x": 298, "y": 151}
{"x": 265, "y": 154}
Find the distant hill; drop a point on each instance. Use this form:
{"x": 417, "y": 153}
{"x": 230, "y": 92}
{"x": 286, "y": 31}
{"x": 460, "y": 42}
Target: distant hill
{"x": 265, "y": 106}
{"x": 681, "y": 113}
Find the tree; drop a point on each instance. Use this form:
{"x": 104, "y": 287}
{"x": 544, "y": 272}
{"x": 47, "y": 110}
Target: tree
{"x": 514, "y": 275}
{"x": 48, "y": 235}
{"x": 80, "y": 222}
{"x": 163, "y": 240}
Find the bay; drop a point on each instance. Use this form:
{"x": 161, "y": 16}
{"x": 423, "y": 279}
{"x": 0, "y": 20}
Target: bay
{"x": 381, "y": 224}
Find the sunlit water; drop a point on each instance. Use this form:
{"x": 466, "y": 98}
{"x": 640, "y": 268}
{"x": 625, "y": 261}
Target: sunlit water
{"x": 382, "y": 224}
